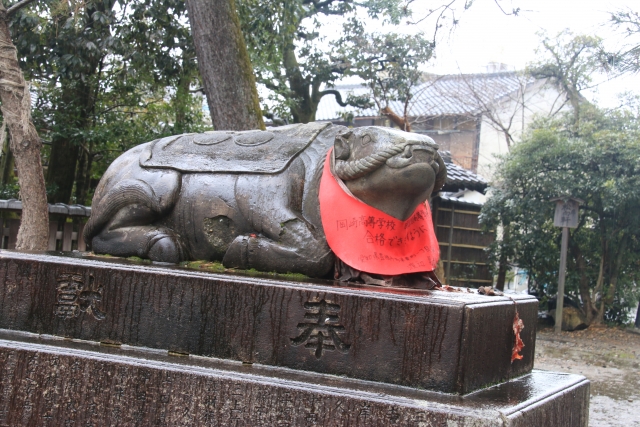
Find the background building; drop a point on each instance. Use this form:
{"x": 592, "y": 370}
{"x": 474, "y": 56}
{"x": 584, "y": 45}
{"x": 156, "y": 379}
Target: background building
{"x": 473, "y": 116}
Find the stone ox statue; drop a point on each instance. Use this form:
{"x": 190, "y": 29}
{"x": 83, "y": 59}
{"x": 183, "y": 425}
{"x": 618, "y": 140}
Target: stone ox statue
{"x": 250, "y": 198}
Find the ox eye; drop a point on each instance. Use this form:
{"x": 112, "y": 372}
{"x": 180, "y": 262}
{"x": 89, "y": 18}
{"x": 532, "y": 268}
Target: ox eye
{"x": 366, "y": 140}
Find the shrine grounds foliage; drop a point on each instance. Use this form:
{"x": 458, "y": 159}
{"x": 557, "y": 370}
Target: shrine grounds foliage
{"x": 106, "y": 75}
{"x": 299, "y": 66}
{"x": 597, "y": 161}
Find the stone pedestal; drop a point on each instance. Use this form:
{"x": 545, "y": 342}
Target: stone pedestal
{"x": 52, "y": 382}
{"x": 285, "y": 351}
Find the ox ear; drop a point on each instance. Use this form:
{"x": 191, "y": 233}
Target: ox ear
{"x": 341, "y": 146}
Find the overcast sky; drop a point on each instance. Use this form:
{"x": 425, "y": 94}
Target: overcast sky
{"x": 485, "y": 34}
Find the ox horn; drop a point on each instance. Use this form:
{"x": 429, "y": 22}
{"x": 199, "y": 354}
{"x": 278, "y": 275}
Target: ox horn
{"x": 341, "y": 145}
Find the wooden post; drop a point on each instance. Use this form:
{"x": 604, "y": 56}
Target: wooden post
{"x": 566, "y": 216}
{"x": 53, "y": 231}
{"x": 563, "y": 270}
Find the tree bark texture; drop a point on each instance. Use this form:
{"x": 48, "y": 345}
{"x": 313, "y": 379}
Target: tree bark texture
{"x": 225, "y": 68}
{"x": 25, "y": 144}
{"x": 6, "y": 161}
{"x": 307, "y": 93}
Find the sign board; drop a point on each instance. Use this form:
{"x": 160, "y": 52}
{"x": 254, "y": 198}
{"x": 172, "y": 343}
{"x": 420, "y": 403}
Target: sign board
{"x": 566, "y": 213}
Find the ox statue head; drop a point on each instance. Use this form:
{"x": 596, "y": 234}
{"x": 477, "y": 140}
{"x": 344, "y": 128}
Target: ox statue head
{"x": 391, "y": 170}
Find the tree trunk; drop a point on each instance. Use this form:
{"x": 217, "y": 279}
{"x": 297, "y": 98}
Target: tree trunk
{"x": 502, "y": 273}
{"x": 6, "y": 161}
{"x": 61, "y": 171}
{"x": 181, "y": 100}
{"x": 25, "y": 144}
{"x": 223, "y": 61}
{"x": 589, "y": 308}
{"x": 75, "y": 105}
{"x": 607, "y": 299}
{"x": 637, "y": 324}
{"x": 502, "y": 262}
{"x": 303, "y": 109}
{"x": 401, "y": 122}
{"x": 82, "y": 177}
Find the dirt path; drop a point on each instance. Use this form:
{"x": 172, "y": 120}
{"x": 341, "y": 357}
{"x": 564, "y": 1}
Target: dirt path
{"x": 610, "y": 358}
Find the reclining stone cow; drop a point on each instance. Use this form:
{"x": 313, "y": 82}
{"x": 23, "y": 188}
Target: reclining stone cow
{"x": 251, "y": 198}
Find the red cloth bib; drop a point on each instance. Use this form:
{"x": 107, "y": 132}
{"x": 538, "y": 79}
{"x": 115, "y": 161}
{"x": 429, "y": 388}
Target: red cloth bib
{"x": 370, "y": 240}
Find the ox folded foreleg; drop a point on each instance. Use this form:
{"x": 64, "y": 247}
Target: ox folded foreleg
{"x": 294, "y": 250}
{"x": 284, "y": 240}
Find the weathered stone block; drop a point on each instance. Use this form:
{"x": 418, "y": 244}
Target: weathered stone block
{"x": 53, "y": 382}
{"x": 434, "y": 340}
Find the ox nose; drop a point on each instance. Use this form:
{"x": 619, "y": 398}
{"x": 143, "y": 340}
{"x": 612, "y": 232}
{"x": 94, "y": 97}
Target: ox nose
{"x": 419, "y": 153}
{"x": 413, "y": 153}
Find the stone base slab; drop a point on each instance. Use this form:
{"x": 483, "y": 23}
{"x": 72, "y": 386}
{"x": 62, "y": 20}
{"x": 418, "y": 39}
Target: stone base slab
{"x": 452, "y": 342}
{"x": 48, "y": 381}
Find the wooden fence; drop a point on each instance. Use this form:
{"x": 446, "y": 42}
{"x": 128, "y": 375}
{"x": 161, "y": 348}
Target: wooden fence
{"x": 462, "y": 243}
{"x": 66, "y": 224}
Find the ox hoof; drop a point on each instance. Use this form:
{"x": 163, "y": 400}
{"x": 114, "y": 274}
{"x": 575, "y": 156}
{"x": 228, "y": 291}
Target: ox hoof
{"x": 166, "y": 248}
{"x": 237, "y": 256}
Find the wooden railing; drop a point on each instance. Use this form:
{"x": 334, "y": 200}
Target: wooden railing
{"x": 66, "y": 224}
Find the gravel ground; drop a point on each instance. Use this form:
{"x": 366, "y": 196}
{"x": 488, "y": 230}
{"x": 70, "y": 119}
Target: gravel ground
{"x": 609, "y": 358}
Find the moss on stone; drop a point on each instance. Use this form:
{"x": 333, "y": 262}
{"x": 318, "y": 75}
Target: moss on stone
{"x": 217, "y": 267}
{"x": 136, "y": 259}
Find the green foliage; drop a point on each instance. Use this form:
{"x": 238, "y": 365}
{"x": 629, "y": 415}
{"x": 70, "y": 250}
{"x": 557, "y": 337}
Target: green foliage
{"x": 598, "y": 162}
{"x": 12, "y": 191}
{"x": 9, "y": 191}
{"x": 290, "y": 57}
{"x": 388, "y": 63}
{"x": 108, "y": 75}
{"x": 568, "y": 61}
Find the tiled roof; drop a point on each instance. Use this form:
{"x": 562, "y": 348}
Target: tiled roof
{"x": 459, "y": 178}
{"x": 450, "y": 197}
{"x": 436, "y": 96}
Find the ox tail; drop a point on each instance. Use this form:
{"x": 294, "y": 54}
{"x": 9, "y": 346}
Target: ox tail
{"x": 125, "y": 193}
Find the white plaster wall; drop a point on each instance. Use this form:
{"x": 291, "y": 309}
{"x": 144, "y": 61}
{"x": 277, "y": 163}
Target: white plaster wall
{"x": 539, "y": 99}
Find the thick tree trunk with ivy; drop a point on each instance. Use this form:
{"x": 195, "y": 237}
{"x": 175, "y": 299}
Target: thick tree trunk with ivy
{"x": 25, "y": 144}
{"x": 225, "y": 68}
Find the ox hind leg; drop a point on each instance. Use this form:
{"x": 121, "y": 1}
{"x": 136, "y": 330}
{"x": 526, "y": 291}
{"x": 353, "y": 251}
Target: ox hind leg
{"x": 124, "y": 224}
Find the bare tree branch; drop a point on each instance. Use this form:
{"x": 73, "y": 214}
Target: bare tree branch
{"x": 513, "y": 12}
{"x": 16, "y": 7}
{"x": 335, "y": 93}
